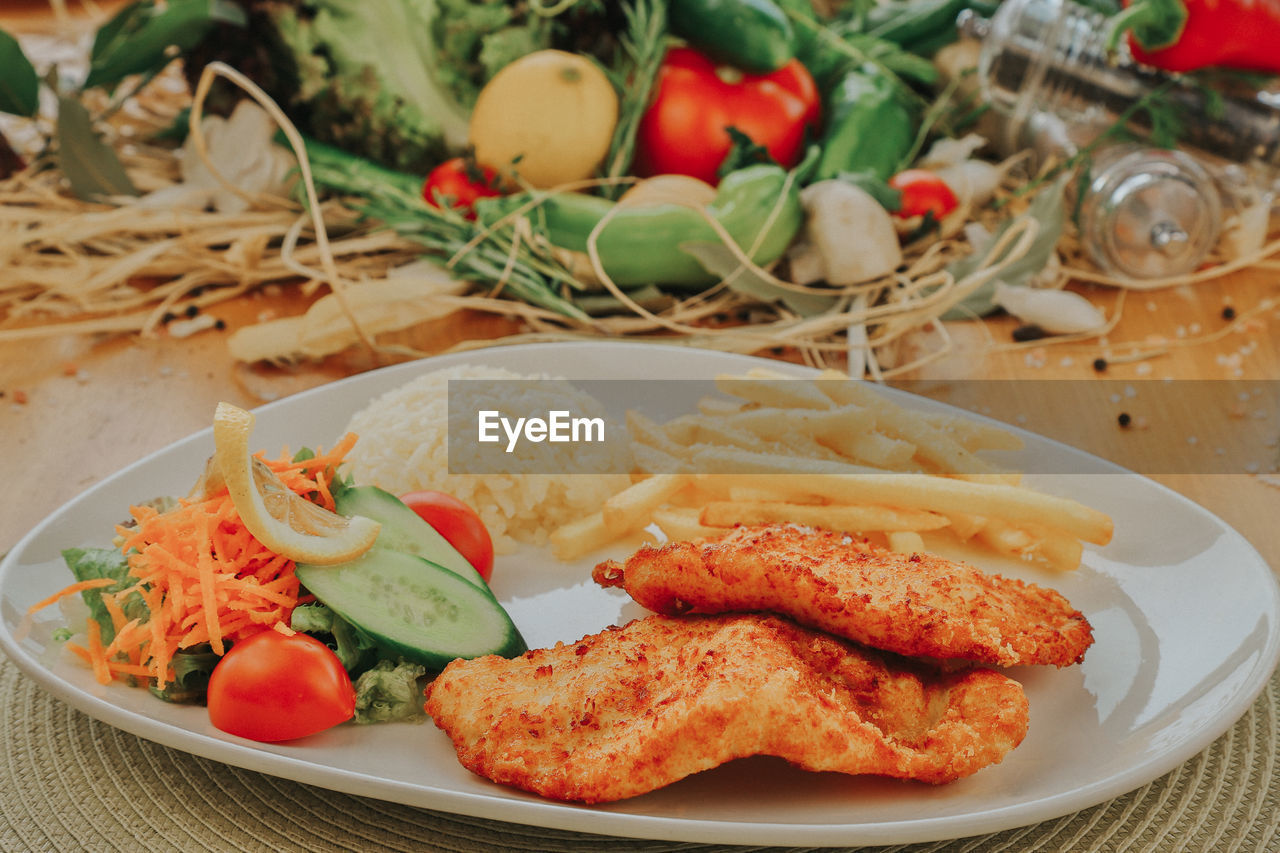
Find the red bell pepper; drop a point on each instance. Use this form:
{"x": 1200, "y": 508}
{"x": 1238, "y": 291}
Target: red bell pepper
{"x": 685, "y": 130}
{"x": 1187, "y": 35}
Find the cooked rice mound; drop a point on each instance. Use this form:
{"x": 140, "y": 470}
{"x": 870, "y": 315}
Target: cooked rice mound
{"x": 403, "y": 447}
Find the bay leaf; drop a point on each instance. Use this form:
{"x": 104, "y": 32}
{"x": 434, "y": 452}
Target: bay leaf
{"x": 88, "y": 163}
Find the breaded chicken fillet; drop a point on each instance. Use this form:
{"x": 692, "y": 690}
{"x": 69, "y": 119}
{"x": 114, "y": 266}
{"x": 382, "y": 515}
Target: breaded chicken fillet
{"x": 912, "y": 604}
{"x": 635, "y": 708}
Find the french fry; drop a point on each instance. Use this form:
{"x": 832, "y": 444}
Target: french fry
{"x": 875, "y": 449}
{"x": 581, "y": 537}
{"x": 948, "y": 495}
{"x": 973, "y": 435}
{"x": 1058, "y": 550}
{"x": 719, "y": 407}
{"x": 801, "y": 446}
{"x": 682, "y": 523}
{"x": 905, "y": 542}
{"x": 733, "y": 460}
{"x": 933, "y": 444}
{"x": 644, "y": 431}
{"x": 857, "y": 518}
{"x": 773, "y": 423}
{"x": 682, "y": 430}
{"x": 703, "y": 490}
{"x": 1007, "y": 478}
{"x": 721, "y": 433}
{"x": 762, "y": 494}
{"x": 965, "y": 525}
{"x": 631, "y": 508}
{"x": 774, "y": 391}
{"x": 1004, "y": 538}
{"x": 655, "y": 461}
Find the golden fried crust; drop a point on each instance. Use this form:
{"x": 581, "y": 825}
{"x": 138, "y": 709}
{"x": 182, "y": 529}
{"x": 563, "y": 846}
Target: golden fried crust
{"x": 632, "y": 709}
{"x": 915, "y": 604}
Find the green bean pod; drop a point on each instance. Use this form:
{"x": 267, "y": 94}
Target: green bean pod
{"x": 753, "y": 35}
{"x": 639, "y": 245}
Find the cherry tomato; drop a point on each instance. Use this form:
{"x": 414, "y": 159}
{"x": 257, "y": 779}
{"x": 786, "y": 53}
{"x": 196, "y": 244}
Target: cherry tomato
{"x": 459, "y": 183}
{"x": 271, "y": 687}
{"x": 923, "y": 192}
{"x": 459, "y": 524}
{"x": 684, "y": 131}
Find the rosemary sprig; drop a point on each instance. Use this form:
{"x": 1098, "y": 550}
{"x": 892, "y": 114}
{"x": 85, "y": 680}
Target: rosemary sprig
{"x": 644, "y": 44}
{"x": 474, "y": 252}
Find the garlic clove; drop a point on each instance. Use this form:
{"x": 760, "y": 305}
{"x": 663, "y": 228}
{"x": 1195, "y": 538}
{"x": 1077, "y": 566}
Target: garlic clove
{"x": 1059, "y": 312}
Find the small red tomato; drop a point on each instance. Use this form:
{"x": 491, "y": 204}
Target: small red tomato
{"x": 459, "y": 524}
{"x": 685, "y": 129}
{"x": 923, "y": 192}
{"x": 271, "y": 687}
{"x": 459, "y": 183}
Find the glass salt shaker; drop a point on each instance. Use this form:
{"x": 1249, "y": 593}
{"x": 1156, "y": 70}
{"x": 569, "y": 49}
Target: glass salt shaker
{"x": 1148, "y": 213}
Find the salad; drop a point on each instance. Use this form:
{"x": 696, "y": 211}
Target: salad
{"x": 285, "y": 597}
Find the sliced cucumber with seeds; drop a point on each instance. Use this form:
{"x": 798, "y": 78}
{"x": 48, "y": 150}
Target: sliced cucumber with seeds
{"x": 405, "y": 531}
{"x": 414, "y": 608}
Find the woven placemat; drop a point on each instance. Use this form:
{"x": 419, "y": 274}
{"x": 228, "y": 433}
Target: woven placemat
{"x": 68, "y": 783}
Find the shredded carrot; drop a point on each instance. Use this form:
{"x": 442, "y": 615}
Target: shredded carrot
{"x": 97, "y": 657}
{"x": 114, "y": 666}
{"x": 78, "y": 586}
{"x": 202, "y": 575}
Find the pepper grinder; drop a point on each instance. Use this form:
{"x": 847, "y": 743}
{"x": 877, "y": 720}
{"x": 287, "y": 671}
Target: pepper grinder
{"x": 1145, "y": 212}
{"x": 1050, "y": 56}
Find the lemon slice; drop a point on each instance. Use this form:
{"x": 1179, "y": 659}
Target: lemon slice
{"x": 283, "y": 521}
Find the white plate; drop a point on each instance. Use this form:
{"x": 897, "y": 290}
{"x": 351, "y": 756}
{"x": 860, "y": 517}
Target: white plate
{"x": 1184, "y": 610}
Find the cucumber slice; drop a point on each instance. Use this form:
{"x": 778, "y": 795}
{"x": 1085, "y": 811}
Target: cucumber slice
{"x": 414, "y": 608}
{"x": 404, "y": 530}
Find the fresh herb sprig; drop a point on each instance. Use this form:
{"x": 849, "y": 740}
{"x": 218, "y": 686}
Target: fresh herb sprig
{"x": 643, "y": 44}
{"x": 475, "y": 252}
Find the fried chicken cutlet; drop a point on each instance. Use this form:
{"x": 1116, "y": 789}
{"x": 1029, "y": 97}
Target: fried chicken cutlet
{"x": 912, "y": 604}
{"x": 635, "y": 708}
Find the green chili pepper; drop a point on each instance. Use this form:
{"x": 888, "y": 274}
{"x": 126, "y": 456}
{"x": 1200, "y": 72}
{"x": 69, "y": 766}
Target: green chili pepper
{"x": 804, "y": 22}
{"x": 641, "y": 245}
{"x": 753, "y": 35}
{"x": 916, "y": 24}
{"x": 870, "y": 126}
{"x": 138, "y": 39}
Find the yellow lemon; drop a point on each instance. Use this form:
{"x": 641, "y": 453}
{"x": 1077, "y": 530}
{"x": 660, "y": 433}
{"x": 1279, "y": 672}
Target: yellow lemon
{"x": 283, "y": 521}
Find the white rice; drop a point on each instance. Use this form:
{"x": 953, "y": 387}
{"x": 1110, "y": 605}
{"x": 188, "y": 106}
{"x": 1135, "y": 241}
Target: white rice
{"x": 403, "y": 447}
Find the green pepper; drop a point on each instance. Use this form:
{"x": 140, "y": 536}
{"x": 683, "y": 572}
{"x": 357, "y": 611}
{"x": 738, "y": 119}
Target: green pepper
{"x": 870, "y": 126}
{"x": 753, "y": 35}
{"x": 920, "y": 26}
{"x": 641, "y": 245}
{"x": 805, "y": 22}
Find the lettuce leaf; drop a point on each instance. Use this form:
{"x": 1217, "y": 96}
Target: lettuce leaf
{"x": 93, "y": 563}
{"x": 389, "y": 691}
